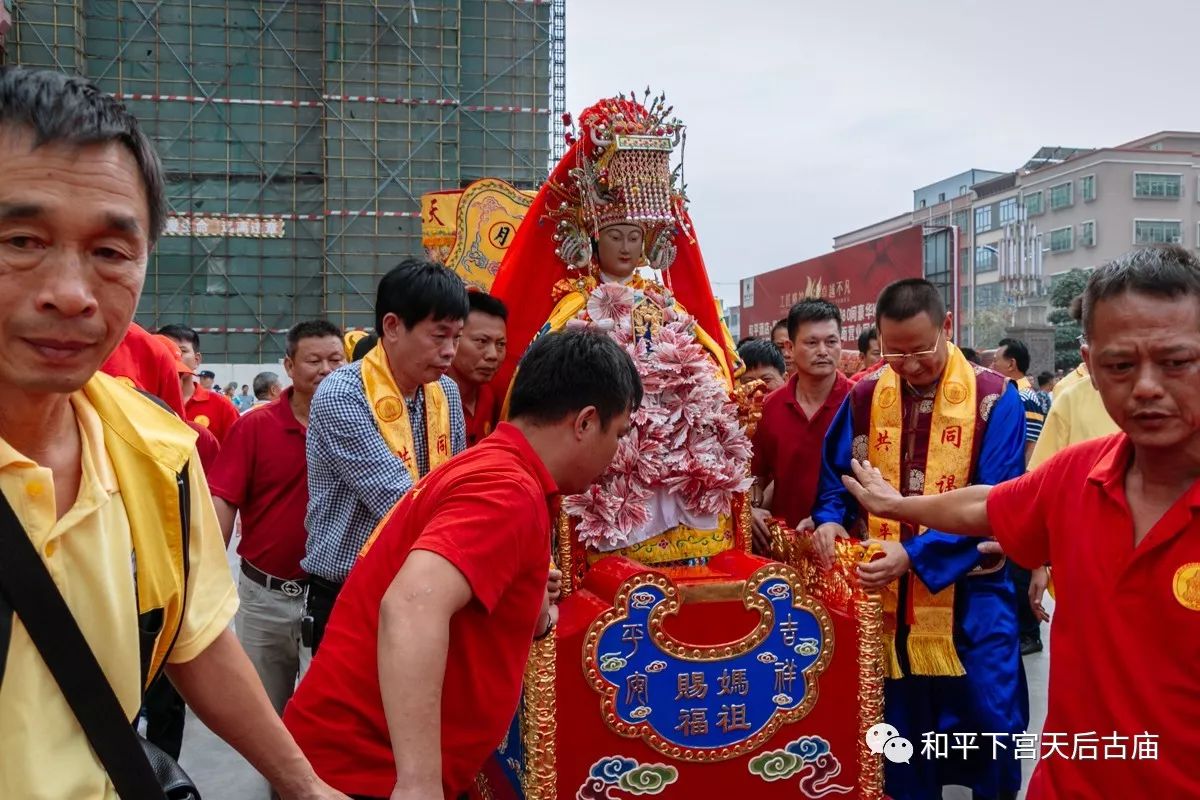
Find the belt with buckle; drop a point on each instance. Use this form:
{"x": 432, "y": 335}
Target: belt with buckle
{"x": 291, "y": 588}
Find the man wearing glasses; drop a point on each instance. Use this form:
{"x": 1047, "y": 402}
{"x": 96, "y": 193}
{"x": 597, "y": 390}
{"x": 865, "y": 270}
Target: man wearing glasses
{"x": 931, "y": 422}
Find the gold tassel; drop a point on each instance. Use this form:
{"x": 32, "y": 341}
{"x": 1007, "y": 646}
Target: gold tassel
{"x": 933, "y": 654}
{"x": 891, "y": 661}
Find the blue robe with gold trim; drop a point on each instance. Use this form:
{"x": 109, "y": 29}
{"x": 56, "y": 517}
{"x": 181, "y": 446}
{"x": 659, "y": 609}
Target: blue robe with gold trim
{"x": 992, "y": 697}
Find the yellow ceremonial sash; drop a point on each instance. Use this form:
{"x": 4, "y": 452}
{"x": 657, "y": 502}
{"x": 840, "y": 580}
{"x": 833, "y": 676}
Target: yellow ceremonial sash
{"x": 391, "y": 414}
{"x": 948, "y": 466}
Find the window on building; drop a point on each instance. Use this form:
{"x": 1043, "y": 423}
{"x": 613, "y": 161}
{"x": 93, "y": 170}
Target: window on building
{"x": 1062, "y": 196}
{"x": 1087, "y": 233}
{"x": 942, "y": 220}
{"x": 987, "y": 296}
{"x": 964, "y": 260}
{"x": 941, "y": 197}
{"x": 922, "y": 202}
{"x": 986, "y": 259}
{"x": 1008, "y": 210}
{"x": 1155, "y": 185}
{"x": 1087, "y": 188}
{"x": 960, "y": 220}
{"x": 1157, "y": 231}
{"x": 1062, "y": 240}
{"x": 983, "y": 219}
{"x": 1033, "y": 203}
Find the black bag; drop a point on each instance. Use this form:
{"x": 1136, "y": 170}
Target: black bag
{"x": 138, "y": 769}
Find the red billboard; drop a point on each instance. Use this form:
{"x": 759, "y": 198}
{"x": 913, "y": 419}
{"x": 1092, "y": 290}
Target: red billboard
{"x": 851, "y": 278}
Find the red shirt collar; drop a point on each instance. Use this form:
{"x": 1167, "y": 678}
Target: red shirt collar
{"x": 511, "y": 435}
{"x": 281, "y": 407}
{"x": 1109, "y": 470}
{"x": 834, "y": 398}
{"x": 199, "y": 393}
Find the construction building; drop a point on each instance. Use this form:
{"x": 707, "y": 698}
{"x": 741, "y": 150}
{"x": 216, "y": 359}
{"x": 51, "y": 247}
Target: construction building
{"x": 299, "y": 135}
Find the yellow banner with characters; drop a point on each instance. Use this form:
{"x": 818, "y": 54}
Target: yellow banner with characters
{"x": 469, "y": 230}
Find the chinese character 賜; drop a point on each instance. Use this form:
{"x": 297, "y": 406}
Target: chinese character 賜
{"x": 690, "y": 686}
{"x": 733, "y": 682}
{"x": 733, "y": 718}
{"x": 636, "y": 691}
{"x": 693, "y": 721}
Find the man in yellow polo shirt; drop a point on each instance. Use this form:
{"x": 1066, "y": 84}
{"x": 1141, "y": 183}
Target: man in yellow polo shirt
{"x": 89, "y": 466}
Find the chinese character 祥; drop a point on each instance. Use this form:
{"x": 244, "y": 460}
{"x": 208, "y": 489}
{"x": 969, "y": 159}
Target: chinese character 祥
{"x": 1025, "y": 746}
{"x": 785, "y": 675}
{"x": 788, "y": 628}
{"x": 946, "y": 483}
{"x": 934, "y": 745}
{"x": 964, "y": 742}
{"x": 1115, "y": 747}
{"x": 883, "y": 441}
{"x": 1054, "y": 743}
{"x": 1086, "y": 746}
{"x": 1145, "y": 746}
{"x": 733, "y": 718}
{"x": 733, "y": 682}
{"x": 693, "y": 721}
{"x": 632, "y": 634}
{"x": 636, "y": 692}
{"x": 690, "y": 686}
{"x": 953, "y": 435}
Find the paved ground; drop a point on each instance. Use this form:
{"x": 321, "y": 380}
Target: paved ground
{"x": 221, "y": 774}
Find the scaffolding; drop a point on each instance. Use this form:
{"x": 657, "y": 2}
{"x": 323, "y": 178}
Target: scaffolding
{"x": 298, "y": 137}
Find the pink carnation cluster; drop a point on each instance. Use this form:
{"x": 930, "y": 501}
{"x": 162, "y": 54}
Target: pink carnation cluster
{"x": 685, "y": 438}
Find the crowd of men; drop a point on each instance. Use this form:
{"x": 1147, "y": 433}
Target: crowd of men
{"x": 394, "y": 530}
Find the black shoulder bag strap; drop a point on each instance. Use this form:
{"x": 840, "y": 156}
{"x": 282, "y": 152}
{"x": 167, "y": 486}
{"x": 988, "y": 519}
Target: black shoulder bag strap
{"x": 29, "y": 589}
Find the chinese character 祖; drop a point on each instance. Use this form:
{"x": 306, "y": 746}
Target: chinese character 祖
{"x": 1145, "y": 746}
{"x": 934, "y": 745}
{"x": 953, "y": 435}
{"x": 946, "y": 483}
{"x": 1115, "y": 747}
{"x": 1054, "y": 743}
{"x": 690, "y": 686}
{"x": 733, "y": 718}
{"x": 785, "y": 675}
{"x": 964, "y": 742}
{"x": 693, "y": 722}
{"x": 1025, "y": 746}
{"x": 636, "y": 690}
{"x": 633, "y": 634}
{"x": 997, "y": 744}
{"x": 1086, "y": 745}
{"x": 733, "y": 682}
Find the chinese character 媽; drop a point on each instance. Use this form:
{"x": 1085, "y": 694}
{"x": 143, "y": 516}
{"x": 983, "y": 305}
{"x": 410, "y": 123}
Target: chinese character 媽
{"x": 733, "y": 682}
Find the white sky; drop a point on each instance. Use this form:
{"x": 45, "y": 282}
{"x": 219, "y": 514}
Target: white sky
{"x": 809, "y": 119}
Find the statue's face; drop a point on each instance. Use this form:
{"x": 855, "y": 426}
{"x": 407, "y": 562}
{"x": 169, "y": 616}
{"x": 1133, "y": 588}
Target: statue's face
{"x": 620, "y": 249}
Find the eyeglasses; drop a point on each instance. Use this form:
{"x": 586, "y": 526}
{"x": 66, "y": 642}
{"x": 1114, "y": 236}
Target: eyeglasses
{"x": 906, "y": 356}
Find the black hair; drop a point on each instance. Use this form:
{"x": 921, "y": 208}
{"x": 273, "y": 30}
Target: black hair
{"x": 906, "y": 298}
{"x": 1166, "y": 271}
{"x": 181, "y": 334}
{"x": 972, "y": 355}
{"x": 1017, "y": 351}
{"x": 416, "y": 290}
{"x": 73, "y": 110}
{"x": 761, "y": 353}
{"x": 745, "y": 339}
{"x": 263, "y": 382}
{"x": 811, "y": 310}
{"x": 563, "y": 373}
{"x": 363, "y": 346}
{"x": 485, "y": 303}
{"x": 1045, "y": 378}
{"x": 864, "y": 339}
{"x": 310, "y": 329}
{"x": 781, "y": 325}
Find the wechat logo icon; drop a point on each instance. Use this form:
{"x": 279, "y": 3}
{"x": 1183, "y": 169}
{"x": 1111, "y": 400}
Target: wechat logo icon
{"x": 886, "y": 740}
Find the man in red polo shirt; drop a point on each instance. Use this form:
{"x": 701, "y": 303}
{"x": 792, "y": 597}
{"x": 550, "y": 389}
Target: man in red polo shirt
{"x": 204, "y": 407}
{"x": 262, "y": 472}
{"x": 420, "y": 669}
{"x": 140, "y": 361}
{"x": 480, "y": 353}
{"x": 787, "y": 443}
{"x": 1118, "y": 518}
